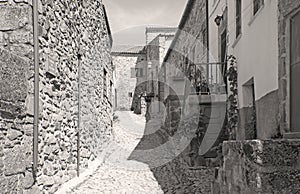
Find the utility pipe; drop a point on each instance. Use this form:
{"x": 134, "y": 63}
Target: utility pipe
{"x": 207, "y": 42}
{"x": 79, "y": 57}
{"x": 36, "y": 88}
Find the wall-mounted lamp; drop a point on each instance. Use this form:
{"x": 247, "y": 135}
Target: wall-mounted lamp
{"x": 218, "y": 19}
{"x": 149, "y": 64}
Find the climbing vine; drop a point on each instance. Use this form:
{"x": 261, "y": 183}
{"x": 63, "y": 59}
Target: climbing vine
{"x": 232, "y": 76}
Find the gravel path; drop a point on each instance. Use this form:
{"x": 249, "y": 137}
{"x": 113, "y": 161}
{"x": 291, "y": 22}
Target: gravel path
{"x": 118, "y": 174}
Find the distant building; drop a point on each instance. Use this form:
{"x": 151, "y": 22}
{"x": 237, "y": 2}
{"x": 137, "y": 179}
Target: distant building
{"x": 153, "y": 32}
{"x": 125, "y": 59}
{"x": 158, "y": 41}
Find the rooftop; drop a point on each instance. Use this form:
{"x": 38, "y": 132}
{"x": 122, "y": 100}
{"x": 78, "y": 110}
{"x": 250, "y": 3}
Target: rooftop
{"x": 127, "y": 49}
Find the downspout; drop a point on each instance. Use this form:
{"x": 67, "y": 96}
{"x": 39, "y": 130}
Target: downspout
{"x": 36, "y": 87}
{"x": 207, "y": 42}
{"x": 79, "y": 57}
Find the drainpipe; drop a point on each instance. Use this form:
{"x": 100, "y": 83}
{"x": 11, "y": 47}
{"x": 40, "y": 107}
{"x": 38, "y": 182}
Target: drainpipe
{"x": 207, "y": 42}
{"x": 36, "y": 87}
{"x": 79, "y": 56}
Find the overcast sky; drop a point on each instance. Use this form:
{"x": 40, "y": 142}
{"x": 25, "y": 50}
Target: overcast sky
{"x": 128, "y": 18}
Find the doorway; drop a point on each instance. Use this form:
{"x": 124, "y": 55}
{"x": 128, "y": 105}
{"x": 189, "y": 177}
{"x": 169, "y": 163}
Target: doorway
{"x": 295, "y": 72}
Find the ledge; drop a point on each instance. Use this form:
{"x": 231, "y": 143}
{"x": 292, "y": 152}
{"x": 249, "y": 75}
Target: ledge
{"x": 256, "y": 15}
{"x": 295, "y": 135}
{"x": 236, "y": 40}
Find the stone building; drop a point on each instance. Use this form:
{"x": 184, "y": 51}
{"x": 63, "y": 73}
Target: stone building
{"x": 126, "y": 60}
{"x": 158, "y": 41}
{"x": 156, "y": 51}
{"x": 263, "y": 36}
{"x": 182, "y": 66}
{"x": 52, "y": 128}
{"x": 153, "y": 32}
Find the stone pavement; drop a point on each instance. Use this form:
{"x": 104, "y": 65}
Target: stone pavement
{"x": 117, "y": 174}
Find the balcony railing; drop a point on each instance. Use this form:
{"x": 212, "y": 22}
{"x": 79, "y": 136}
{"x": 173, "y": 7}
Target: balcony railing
{"x": 208, "y": 78}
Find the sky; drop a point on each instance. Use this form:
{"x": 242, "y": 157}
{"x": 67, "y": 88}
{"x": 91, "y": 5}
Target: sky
{"x": 129, "y": 18}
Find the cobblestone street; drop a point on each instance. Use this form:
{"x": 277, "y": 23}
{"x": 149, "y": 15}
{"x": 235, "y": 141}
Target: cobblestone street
{"x": 118, "y": 174}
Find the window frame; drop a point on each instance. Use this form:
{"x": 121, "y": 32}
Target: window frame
{"x": 238, "y": 18}
{"x": 290, "y": 64}
{"x": 259, "y": 4}
{"x": 105, "y": 88}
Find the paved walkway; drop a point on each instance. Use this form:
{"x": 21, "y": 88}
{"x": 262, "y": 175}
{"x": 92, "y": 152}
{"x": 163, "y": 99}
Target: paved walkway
{"x": 118, "y": 174}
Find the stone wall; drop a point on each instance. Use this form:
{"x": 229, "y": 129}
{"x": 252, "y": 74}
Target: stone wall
{"x": 66, "y": 29}
{"x": 187, "y": 48}
{"x": 138, "y": 103}
{"x": 16, "y": 91}
{"x": 125, "y": 83}
{"x": 261, "y": 167}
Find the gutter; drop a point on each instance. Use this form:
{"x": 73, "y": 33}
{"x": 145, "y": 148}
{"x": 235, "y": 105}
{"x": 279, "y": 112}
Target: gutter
{"x": 79, "y": 56}
{"x": 36, "y": 88}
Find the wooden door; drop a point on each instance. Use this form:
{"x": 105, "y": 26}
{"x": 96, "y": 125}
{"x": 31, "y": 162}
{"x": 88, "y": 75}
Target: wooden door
{"x": 295, "y": 72}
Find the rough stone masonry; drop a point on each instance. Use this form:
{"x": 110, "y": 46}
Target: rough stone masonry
{"x": 65, "y": 29}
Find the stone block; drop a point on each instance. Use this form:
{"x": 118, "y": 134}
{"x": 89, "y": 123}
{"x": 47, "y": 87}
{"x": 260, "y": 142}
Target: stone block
{"x": 13, "y": 73}
{"x": 13, "y": 134}
{"x": 262, "y": 166}
{"x": 12, "y": 17}
{"x": 9, "y": 184}
{"x": 33, "y": 190}
{"x": 17, "y": 159}
{"x": 26, "y": 180}
{"x": 46, "y": 180}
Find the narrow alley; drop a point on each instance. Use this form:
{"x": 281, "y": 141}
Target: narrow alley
{"x": 118, "y": 174}
{"x": 149, "y": 97}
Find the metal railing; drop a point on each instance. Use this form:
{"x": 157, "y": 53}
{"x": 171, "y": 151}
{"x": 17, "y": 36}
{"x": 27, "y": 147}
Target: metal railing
{"x": 208, "y": 78}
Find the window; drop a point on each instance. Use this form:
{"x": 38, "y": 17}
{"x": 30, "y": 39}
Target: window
{"x": 204, "y": 35}
{"x": 223, "y": 54}
{"x": 257, "y": 4}
{"x": 295, "y": 72}
{"x": 104, "y": 83}
{"x": 238, "y": 17}
{"x": 111, "y": 91}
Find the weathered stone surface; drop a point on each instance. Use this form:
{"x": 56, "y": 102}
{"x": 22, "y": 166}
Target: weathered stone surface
{"x": 46, "y": 180}
{"x": 33, "y": 190}
{"x": 261, "y": 166}
{"x": 13, "y": 134}
{"x": 26, "y": 181}
{"x": 12, "y": 18}
{"x": 21, "y": 1}
{"x": 125, "y": 83}
{"x": 17, "y": 159}
{"x": 20, "y": 37}
{"x": 9, "y": 184}
{"x": 13, "y": 73}
{"x": 60, "y": 26}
